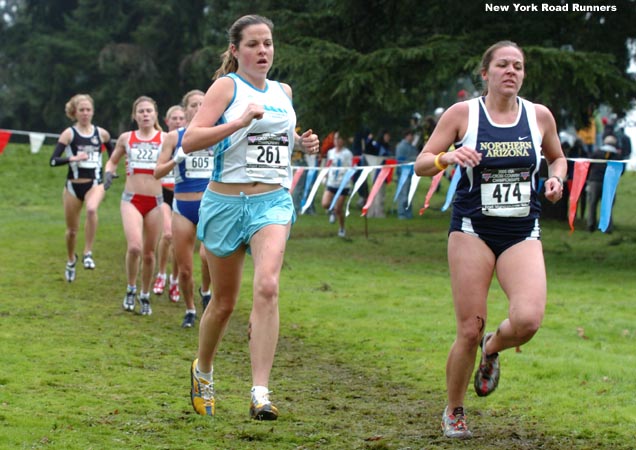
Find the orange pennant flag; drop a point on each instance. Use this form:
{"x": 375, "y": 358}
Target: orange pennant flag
{"x": 297, "y": 175}
{"x": 4, "y": 139}
{"x": 384, "y": 172}
{"x": 431, "y": 190}
{"x": 578, "y": 181}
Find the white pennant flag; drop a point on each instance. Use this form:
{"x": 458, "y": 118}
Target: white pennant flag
{"x": 366, "y": 170}
{"x": 310, "y": 198}
{"x": 36, "y": 140}
{"x": 414, "y": 180}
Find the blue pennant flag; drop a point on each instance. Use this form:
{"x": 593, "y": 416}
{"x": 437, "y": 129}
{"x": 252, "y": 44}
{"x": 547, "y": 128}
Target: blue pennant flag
{"x": 613, "y": 173}
{"x": 343, "y": 184}
{"x": 452, "y": 188}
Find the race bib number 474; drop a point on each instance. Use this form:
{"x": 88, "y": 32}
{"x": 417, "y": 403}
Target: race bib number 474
{"x": 505, "y": 192}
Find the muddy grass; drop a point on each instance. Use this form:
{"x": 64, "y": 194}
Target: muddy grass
{"x": 333, "y": 404}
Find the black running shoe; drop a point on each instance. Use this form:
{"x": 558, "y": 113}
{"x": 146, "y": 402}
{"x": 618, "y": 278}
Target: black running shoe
{"x": 188, "y": 320}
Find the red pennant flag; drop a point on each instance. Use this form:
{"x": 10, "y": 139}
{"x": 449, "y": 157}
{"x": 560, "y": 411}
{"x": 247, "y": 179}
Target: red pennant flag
{"x": 384, "y": 172}
{"x": 578, "y": 181}
{"x": 297, "y": 175}
{"x": 388, "y": 162}
{"x": 431, "y": 190}
{"x": 4, "y": 139}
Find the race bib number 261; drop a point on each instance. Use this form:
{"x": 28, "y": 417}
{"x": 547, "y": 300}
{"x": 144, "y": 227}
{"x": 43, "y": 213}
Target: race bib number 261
{"x": 267, "y": 155}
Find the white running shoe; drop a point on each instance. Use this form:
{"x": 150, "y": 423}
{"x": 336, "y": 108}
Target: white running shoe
{"x": 88, "y": 261}
{"x": 454, "y": 425}
{"x": 129, "y": 301}
{"x": 144, "y": 306}
{"x": 69, "y": 272}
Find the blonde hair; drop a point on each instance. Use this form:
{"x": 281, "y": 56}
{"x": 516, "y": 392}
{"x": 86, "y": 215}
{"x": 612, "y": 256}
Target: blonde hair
{"x": 70, "y": 109}
{"x": 172, "y": 109}
{"x": 229, "y": 63}
{"x": 186, "y": 97}
{"x": 145, "y": 98}
{"x": 486, "y": 59}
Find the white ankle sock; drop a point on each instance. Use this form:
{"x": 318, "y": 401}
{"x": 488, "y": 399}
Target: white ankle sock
{"x": 205, "y": 375}
{"x": 259, "y": 391}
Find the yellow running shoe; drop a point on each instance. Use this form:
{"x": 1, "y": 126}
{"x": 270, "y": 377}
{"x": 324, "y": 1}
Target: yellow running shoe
{"x": 201, "y": 393}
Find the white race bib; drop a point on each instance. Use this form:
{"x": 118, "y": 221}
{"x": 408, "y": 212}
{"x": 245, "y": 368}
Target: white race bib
{"x": 267, "y": 155}
{"x": 93, "y": 161}
{"x": 143, "y": 156}
{"x": 505, "y": 192}
{"x": 199, "y": 164}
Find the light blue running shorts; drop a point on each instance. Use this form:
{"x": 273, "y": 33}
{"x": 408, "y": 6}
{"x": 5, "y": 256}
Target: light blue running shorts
{"x": 228, "y": 221}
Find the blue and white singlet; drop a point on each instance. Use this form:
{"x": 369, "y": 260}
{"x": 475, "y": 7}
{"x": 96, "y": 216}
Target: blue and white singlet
{"x": 261, "y": 151}
{"x": 193, "y": 173}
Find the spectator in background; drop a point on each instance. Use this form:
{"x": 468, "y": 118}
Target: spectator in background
{"x": 80, "y": 148}
{"x": 380, "y": 146}
{"x": 358, "y": 148}
{"x": 405, "y": 152}
{"x": 623, "y": 141}
{"x": 615, "y": 126}
{"x": 438, "y": 113}
{"x": 338, "y": 158}
{"x": 416, "y": 125}
{"x": 326, "y": 145}
{"x": 175, "y": 118}
{"x": 428, "y": 127}
{"x": 587, "y": 133}
{"x": 376, "y": 151}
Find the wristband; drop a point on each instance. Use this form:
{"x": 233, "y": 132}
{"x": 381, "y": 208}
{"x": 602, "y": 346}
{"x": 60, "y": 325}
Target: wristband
{"x": 559, "y": 179}
{"x": 179, "y": 156}
{"x": 437, "y": 162}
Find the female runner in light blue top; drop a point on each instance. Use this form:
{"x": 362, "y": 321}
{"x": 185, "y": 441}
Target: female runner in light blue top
{"x": 247, "y": 203}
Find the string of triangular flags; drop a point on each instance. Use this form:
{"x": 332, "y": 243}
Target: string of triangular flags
{"x": 382, "y": 173}
{"x": 383, "y": 169}
{"x": 35, "y": 139}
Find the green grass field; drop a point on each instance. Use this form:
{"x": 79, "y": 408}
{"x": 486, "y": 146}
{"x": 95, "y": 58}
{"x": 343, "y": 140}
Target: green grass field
{"x": 366, "y": 324}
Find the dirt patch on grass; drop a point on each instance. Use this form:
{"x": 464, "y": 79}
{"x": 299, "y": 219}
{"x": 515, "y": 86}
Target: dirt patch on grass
{"x": 354, "y": 407}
